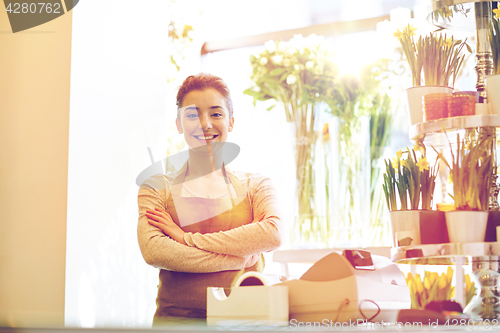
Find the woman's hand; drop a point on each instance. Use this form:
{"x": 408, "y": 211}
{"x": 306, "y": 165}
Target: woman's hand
{"x": 160, "y": 219}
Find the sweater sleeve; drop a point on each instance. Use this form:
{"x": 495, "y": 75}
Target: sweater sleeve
{"x": 261, "y": 235}
{"x": 161, "y": 251}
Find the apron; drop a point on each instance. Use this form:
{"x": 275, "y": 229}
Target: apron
{"x": 185, "y": 294}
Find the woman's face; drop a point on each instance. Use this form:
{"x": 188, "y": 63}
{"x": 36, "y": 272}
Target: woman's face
{"x": 204, "y": 118}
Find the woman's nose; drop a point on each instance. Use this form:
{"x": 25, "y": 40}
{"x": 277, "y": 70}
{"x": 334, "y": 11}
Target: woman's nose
{"x": 205, "y": 122}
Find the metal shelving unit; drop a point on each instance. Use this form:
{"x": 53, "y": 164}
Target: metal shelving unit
{"x": 469, "y": 15}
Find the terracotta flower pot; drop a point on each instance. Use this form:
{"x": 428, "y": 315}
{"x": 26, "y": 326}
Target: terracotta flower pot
{"x": 414, "y": 100}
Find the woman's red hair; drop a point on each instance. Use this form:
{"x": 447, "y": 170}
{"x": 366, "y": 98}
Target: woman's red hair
{"x": 201, "y": 82}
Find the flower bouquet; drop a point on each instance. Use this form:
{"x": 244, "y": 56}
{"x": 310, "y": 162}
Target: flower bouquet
{"x": 298, "y": 74}
{"x": 360, "y": 130}
{"x": 436, "y": 288}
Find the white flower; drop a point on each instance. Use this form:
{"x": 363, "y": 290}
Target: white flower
{"x": 298, "y": 67}
{"x": 281, "y": 46}
{"x": 277, "y": 59}
{"x": 291, "y": 79}
{"x": 270, "y": 46}
{"x": 256, "y": 89}
{"x": 263, "y": 61}
{"x": 287, "y": 62}
{"x": 309, "y": 64}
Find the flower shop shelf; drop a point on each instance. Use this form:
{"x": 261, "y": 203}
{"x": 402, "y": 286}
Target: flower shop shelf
{"x": 444, "y": 254}
{"x": 484, "y": 257}
{"x": 434, "y": 130}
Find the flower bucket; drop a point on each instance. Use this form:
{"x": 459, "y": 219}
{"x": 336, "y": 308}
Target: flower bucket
{"x": 493, "y": 93}
{"x": 414, "y": 100}
{"x": 311, "y": 226}
{"x": 422, "y": 226}
{"x": 466, "y": 226}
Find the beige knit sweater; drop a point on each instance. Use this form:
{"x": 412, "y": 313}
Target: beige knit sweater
{"x": 212, "y": 252}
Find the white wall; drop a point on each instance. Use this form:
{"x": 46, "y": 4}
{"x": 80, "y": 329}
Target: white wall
{"x": 34, "y": 121}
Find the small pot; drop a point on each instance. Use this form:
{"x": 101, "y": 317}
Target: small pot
{"x": 414, "y": 227}
{"x": 466, "y": 226}
{"x": 415, "y": 96}
{"x": 492, "y": 83}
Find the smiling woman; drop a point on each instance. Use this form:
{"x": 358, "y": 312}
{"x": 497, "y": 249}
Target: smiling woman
{"x": 204, "y": 225}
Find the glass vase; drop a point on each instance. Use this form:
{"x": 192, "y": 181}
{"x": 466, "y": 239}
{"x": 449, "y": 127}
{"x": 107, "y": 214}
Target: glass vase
{"x": 349, "y": 214}
{"x": 310, "y": 225}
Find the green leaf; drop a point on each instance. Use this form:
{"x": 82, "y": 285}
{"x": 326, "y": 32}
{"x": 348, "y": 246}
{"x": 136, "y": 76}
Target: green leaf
{"x": 277, "y": 71}
{"x": 271, "y": 107}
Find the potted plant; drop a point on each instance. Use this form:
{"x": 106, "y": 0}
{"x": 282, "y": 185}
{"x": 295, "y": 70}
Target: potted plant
{"x": 408, "y": 186}
{"x": 434, "y": 61}
{"x": 493, "y": 81}
{"x": 471, "y": 171}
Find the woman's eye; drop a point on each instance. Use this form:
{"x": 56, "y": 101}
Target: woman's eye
{"x": 192, "y": 115}
{"x": 217, "y": 114}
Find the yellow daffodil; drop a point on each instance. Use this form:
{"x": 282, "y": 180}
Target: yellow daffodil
{"x": 410, "y": 30}
{"x": 398, "y": 34}
{"x": 399, "y": 153}
{"x": 418, "y": 147}
{"x": 394, "y": 162}
{"x": 423, "y": 164}
{"x": 497, "y": 13}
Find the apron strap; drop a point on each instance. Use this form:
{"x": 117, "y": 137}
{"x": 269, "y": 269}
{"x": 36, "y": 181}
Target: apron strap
{"x": 176, "y": 187}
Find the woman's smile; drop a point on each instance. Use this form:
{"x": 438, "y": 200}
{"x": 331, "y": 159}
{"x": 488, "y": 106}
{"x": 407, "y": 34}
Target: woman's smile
{"x": 206, "y": 137}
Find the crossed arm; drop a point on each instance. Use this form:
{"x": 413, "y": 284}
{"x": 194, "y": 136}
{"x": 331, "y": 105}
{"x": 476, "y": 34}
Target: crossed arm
{"x": 164, "y": 245}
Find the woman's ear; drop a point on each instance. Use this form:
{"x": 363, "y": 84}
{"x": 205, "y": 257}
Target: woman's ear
{"x": 179, "y": 126}
{"x": 231, "y": 124}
